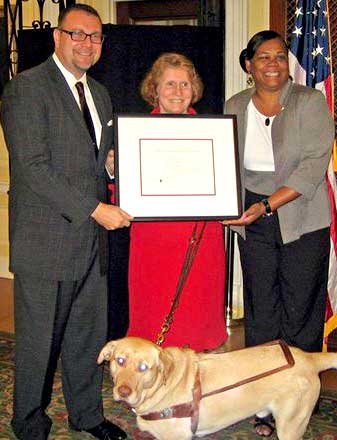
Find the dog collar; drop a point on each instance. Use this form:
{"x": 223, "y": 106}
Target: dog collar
{"x": 183, "y": 410}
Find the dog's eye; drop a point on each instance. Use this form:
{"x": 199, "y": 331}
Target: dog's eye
{"x": 120, "y": 361}
{"x": 142, "y": 367}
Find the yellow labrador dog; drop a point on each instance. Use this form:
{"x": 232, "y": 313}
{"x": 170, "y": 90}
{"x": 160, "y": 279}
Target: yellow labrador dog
{"x": 178, "y": 393}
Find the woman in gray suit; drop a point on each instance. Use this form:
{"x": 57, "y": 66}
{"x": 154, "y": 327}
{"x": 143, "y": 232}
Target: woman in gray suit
{"x": 285, "y": 136}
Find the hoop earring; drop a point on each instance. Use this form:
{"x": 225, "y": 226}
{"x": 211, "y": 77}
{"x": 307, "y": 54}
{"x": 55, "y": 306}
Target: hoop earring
{"x": 250, "y": 80}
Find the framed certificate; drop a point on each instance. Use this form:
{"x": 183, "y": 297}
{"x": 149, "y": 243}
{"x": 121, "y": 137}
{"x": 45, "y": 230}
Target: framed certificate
{"x": 177, "y": 167}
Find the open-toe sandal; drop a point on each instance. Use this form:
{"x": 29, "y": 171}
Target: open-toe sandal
{"x": 264, "y": 426}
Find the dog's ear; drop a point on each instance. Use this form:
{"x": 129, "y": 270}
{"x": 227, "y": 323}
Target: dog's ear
{"x": 165, "y": 364}
{"x": 106, "y": 352}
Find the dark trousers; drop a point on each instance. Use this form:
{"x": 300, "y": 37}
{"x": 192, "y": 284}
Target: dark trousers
{"x": 52, "y": 319}
{"x": 118, "y": 285}
{"x": 285, "y": 285}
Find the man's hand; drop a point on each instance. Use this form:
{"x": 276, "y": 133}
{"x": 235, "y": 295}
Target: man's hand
{"x": 111, "y": 217}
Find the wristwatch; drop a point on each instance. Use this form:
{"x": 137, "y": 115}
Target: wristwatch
{"x": 268, "y": 209}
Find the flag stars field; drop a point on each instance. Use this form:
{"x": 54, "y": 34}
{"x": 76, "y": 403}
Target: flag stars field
{"x": 298, "y": 12}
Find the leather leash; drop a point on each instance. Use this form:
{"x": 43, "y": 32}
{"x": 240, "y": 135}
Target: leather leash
{"x": 290, "y": 363}
{"x": 191, "y": 252}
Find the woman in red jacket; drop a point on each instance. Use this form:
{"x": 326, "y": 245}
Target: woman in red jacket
{"x": 158, "y": 249}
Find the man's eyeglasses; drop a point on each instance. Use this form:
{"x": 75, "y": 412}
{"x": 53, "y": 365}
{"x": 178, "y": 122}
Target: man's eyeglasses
{"x": 82, "y": 36}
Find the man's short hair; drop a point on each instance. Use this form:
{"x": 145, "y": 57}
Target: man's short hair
{"x": 77, "y": 7}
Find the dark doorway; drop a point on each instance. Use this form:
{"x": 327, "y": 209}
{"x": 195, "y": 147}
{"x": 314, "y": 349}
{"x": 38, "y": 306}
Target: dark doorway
{"x": 128, "y": 53}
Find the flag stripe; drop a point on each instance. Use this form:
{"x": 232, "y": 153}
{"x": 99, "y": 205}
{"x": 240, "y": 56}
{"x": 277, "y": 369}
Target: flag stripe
{"x": 310, "y": 64}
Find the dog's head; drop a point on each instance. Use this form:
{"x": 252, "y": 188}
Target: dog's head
{"x": 137, "y": 368}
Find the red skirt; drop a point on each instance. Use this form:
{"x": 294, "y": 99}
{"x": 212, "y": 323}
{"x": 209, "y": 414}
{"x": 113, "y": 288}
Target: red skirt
{"x": 157, "y": 252}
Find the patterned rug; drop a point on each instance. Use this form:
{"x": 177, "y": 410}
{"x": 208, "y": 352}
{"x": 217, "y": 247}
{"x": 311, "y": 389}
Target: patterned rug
{"x": 322, "y": 426}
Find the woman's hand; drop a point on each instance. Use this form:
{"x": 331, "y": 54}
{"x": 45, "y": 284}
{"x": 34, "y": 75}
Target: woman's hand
{"x": 110, "y": 162}
{"x": 254, "y": 212}
{"x": 279, "y": 198}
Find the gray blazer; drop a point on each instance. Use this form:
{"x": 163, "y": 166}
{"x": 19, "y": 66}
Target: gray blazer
{"x": 55, "y": 180}
{"x": 302, "y": 136}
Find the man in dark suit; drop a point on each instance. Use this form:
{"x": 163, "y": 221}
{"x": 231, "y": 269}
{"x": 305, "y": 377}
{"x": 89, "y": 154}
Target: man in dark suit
{"x": 58, "y": 227}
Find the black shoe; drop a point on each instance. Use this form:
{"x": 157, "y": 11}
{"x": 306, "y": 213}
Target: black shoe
{"x": 104, "y": 431}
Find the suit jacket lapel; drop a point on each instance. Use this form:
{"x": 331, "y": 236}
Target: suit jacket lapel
{"x": 70, "y": 104}
{"x": 65, "y": 94}
{"x": 99, "y": 103}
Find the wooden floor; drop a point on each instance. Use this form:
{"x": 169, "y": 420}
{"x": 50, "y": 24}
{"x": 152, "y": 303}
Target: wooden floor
{"x": 234, "y": 342}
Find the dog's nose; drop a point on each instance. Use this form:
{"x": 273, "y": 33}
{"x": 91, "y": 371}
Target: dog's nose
{"x": 124, "y": 391}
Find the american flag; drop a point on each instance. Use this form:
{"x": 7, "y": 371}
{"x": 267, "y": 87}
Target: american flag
{"x": 310, "y": 64}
